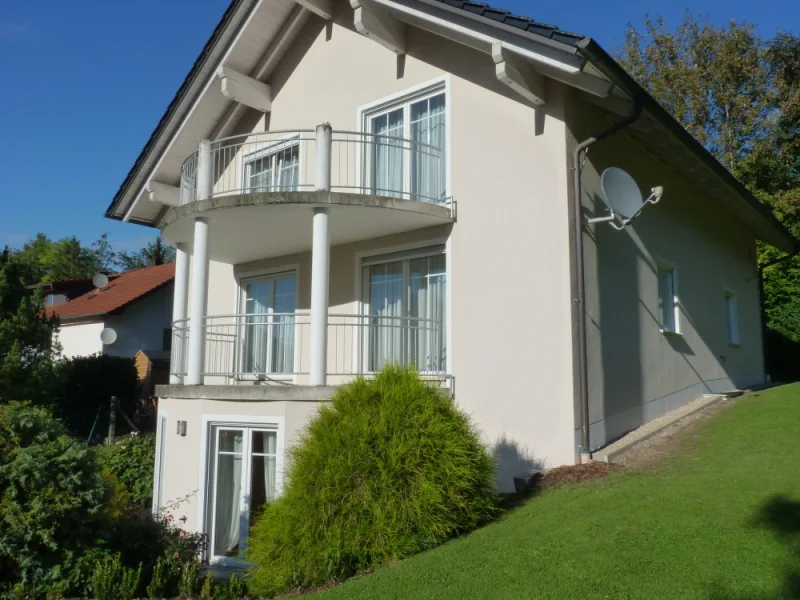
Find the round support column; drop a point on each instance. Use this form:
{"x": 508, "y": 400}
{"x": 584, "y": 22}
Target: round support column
{"x": 180, "y": 295}
{"x": 197, "y": 303}
{"x": 320, "y": 264}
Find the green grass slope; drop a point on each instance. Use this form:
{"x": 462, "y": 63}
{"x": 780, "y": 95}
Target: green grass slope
{"x": 720, "y": 521}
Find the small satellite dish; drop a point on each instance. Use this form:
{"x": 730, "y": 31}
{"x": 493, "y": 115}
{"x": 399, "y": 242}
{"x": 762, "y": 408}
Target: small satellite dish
{"x": 100, "y": 280}
{"x": 623, "y": 197}
{"x": 108, "y": 336}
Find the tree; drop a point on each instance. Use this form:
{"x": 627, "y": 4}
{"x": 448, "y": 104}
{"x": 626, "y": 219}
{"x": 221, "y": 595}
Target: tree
{"x": 155, "y": 253}
{"x": 26, "y": 348}
{"x": 739, "y": 95}
{"x": 49, "y": 260}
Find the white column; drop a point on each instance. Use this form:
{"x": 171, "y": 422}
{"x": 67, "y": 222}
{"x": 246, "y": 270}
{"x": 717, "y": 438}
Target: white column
{"x": 320, "y": 262}
{"x": 180, "y": 296}
{"x": 197, "y": 302}
{"x": 205, "y": 171}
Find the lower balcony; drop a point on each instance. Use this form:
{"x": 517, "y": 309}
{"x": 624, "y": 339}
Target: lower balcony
{"x": 275, "y": 348}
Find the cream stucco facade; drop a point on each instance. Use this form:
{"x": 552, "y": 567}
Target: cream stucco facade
{"x": 510, "y": 328}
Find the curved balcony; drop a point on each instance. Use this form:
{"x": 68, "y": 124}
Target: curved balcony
{"x": 273, "y": 347}
{"x": 274, "y": 177}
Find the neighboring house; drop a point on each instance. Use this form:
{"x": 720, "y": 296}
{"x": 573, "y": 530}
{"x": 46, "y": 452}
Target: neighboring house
{"x": 136, "y": 305}
{"x": 64, "y": 290}
{"x": 395, "y": 183}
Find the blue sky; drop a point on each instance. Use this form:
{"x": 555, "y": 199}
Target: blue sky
{"x": 85, "y": 82}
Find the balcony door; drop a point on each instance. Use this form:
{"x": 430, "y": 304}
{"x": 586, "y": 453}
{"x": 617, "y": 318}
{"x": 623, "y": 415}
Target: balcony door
{"x": 408, "y": 152}
{"x": 268, "y": 326}
{"x": 243, "y": 469}
{"x": 404, "y": 299}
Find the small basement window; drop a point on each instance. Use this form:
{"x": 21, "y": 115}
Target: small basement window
{"x": 731, "y": 318}
{"x": 668, "y": 298}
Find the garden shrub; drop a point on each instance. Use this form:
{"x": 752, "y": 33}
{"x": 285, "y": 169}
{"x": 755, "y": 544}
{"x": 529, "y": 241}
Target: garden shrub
{"x": 113, "y": 581}
{"x": 132, "y": 461}
{"x": 388, "y": 469}
{"x": 52, "y": 504}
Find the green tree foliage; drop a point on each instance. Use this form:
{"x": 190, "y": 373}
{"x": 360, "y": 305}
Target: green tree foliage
{"x": 52, "y": 503}
{"x": 131, "y": 461}
{"x": 54, "y": 260}
{"x": 26, "y": 349}
{"x": 155, "y": 253}
{"x": 388, "y": 469}
{"x": 739, "y": 95}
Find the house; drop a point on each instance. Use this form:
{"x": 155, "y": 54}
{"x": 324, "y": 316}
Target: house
{"x": 416, "y": 181}
{"x": 63, "y": 290}
{"x": 134, "y": 309}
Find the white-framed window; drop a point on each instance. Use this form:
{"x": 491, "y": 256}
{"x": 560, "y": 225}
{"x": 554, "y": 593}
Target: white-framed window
{"x": 243, "y": 465}
{"x": 267, "y": 328}
{"x": 668, "y": 305}
{"x": 731, "y": 317}
{"x": 414, "y": 166}
{"x": 49, "y": 300}
{"x": 405, "y": 305}
{"x": 273, "y": 168}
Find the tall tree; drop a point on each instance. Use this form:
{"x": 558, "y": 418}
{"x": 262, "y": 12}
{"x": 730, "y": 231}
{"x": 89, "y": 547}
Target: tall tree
{"x": 155, "y": 253}
{"x": 53, "y": 260}
{"x": 739, "y": 95}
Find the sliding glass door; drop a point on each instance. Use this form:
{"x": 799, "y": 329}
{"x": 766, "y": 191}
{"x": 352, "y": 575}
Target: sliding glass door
{"x": 269, "y": 324}
{"x": 243, "y": 479}
{"x": 405, "y": 309}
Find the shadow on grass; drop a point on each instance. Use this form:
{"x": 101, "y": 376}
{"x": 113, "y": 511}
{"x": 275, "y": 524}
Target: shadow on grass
{"x": 781, "y": 515}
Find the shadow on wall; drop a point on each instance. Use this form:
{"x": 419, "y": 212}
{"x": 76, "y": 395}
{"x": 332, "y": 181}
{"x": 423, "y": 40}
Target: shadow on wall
{"x": 781, "y": 516}
{"x": 513, "y": 461}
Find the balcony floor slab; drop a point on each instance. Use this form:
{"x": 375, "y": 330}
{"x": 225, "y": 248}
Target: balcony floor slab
{"x": 248, "y": 393}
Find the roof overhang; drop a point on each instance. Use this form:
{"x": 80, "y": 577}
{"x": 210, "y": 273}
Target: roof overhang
{"x": 253, "y": 36}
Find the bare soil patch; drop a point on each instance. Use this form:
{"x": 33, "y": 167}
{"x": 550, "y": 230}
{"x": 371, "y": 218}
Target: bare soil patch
{"x": 576, "y": 474}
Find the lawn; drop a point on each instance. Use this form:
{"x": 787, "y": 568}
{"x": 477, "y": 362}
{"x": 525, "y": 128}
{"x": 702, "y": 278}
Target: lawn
{"x": 720, "y": 521}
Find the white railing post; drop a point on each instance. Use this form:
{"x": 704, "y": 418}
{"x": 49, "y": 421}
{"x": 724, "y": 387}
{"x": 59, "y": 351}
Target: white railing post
{"x": 199, "y": 295}
{"x": 320, "y": 261}
{"x": 180, "y": 295}
{"x": 205, "y": 171}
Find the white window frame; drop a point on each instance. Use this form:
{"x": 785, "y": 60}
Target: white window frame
{"x": 731, "y": 299}
{"x": 366, "y": 112}
{"x": 676, "y": 303}
{"x": 162, "y": 430}
{"x": 242, "y": 279}
{"x": 360, "y": 348}
{"x": 271, "y": 148}
{"x": 250, "y": 422}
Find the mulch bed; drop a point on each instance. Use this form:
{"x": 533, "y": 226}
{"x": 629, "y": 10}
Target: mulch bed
{"x": 575, "y": 474}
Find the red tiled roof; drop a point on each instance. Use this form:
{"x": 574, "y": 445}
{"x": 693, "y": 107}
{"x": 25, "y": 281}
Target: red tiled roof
{"x": 121, "y": 291}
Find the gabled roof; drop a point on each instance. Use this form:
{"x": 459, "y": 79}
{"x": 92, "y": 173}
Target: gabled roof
{"x": 122, "y": 290}
{"x": 573, "y": 59}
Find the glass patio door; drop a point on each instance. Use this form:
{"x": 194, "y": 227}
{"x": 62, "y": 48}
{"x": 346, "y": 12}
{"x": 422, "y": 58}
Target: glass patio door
{"x": 405, "y": 305}
{"x": 268, "y": 324}
{"x": 243, "y": 479}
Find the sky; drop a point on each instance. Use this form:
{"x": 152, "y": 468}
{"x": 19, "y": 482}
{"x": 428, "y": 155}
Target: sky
{"x": 84, "y": 83}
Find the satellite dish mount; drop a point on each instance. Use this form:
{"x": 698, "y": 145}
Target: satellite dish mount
{"x": 623, "y": 198}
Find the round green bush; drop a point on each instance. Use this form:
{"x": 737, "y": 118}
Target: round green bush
{"x": 388, "y": 469}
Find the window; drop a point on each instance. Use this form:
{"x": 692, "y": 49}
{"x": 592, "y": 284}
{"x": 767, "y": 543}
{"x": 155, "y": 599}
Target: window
{"x": 414, "y": 168}
{"x": 275, "y": 169}
{"x": 268, "y": 326}
{"x": 404, "y": 298}
{"x": 243, "y": 478}
{"x": 49, "y": 300}
{"x": 731, "y": 318}
{"x": 668, "y": 298}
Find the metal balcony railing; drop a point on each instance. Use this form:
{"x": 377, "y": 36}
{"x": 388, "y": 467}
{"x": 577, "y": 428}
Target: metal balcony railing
{"x": 287, "y": 161}
{"x": 274, "y": 346}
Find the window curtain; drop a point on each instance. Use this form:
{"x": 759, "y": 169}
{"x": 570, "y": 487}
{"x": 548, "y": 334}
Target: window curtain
{"x": 228, "y": 493}
{"x": 263, "y": 468}
{"x": 288, "y": 169}
{"x": 256, "y": 334}
{"x": 261, "y": 172}
{"x": 385, "y": 325}
{"x": 428, "y": 164}
{"x": 426, "y": 335}
{"x": 283, "y": 325}
{"x": 387, "y": 160}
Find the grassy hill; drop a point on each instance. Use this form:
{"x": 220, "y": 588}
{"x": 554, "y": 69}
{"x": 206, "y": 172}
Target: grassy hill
{"x": 720, "y": 521}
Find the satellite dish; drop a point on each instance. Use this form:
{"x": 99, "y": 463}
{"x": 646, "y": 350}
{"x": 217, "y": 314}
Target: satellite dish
{"x": 100, "y": 280}
{"x": 621, "y": 192}
{"x": 623, "y": 197}
{"x": 108, "y": 336}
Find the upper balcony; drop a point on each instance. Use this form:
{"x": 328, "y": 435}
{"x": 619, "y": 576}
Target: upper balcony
{"x": 274, "y": 177}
